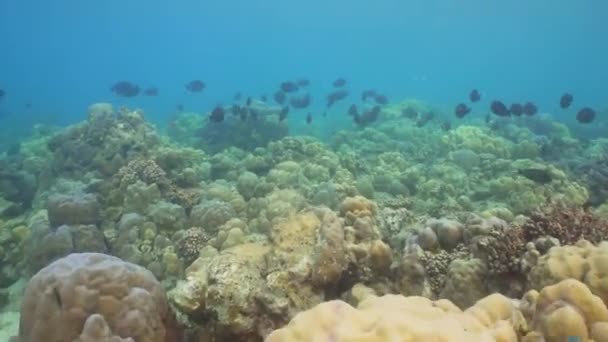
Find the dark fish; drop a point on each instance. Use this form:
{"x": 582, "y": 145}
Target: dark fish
{"x": 289, "y": 87}
{"x": 279, "y": 97}
{"x": 235, "y": 109}
{"x": 446, "y": 126}
{"x": 352, "y": 110}
{"x": 541, "y": 176}
{"x": 474, "y": 96}
{"x": 13, "y": 149}
{"x": 516, "y": 109}
{"x": 308, "y": 118}
{"x": 237, "y": 97}
{"x": 300, "y": 102}
{"x": 2, "y": 93}
{"x": 217, "y": 115}
{"x": 425, "y": 118}
{"x": 585, "y": 115}
{"x": 367, "y": 94}
{"x": 335, "y": 96}
{"x": 381, "y": 99}
{"x": 566, "y": 100}
{"x": 195, "y": 86}
{"x": 152, "y": 91}
{"x": 125, "y": 89}
{"x": 283, "y": 113}
{"x": 409, "y": 113}
{"x": 248, "y": 103}
{"x": 461, "y": 110}
{"x": 339, "y": 83}
{"x": 264, "y": 98}
{"x": 253, "y": 113}
{"x": 303, "y": 82}
{"x": 499, "y": 108}
{"x": 368, "y": 117}
{"x": 530, "y": 109}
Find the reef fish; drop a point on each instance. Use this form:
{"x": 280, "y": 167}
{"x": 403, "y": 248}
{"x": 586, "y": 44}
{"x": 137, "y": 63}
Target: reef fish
{"x": 195, "y": 86}
{"x": 585, "y": 115}
{"x": 152, "y": 91}
{"x": 283, "y": 113}
{"x": 217, "y": 115}
{"x": 368, "y": 116}
{"x": 367, "y": 94}
{"x": 530, "y": 109}
{"x": 336, "y": 96}
{"x": 303, "y": 82}
{"x": 339, "y": 83}
{"x": 461, "y": 110}
{"x": 474, "y": 95}
{"x": 381, "y": 99}
{"x": 499, "y": 108}
{"x": 541, "y": 176}
{"x": 516, "y": 109}
{"x": 279, "y": 97}
{"x": 352, "y": 110}
{"x": 566, "y": 100}
{"x": 289, "y": 87}
{"x": 125, "y": 89}
{"x": 300, "y": 102}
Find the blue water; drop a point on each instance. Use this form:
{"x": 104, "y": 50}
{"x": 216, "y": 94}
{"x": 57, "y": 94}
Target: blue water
{"x": 62, "y": 55}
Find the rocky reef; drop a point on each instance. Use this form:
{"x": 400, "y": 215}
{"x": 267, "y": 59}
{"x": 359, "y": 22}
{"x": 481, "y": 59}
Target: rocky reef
{"x": 130, "y": 234}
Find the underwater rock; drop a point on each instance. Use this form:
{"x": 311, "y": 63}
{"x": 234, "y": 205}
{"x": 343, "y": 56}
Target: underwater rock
{"x": 73, "y": 209}
{"x": 129, "y": 302}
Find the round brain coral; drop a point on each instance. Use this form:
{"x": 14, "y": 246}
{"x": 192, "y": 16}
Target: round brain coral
{"x": 95, "y": 295}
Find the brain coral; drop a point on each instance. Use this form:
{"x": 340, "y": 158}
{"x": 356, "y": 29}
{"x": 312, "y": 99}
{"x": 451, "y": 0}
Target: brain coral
{"x": 91, "y": 295}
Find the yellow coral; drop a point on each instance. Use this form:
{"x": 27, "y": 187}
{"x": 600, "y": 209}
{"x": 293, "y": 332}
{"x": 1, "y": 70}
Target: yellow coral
{"x": 398, "y": 318}
{"x": 567, "y": 309}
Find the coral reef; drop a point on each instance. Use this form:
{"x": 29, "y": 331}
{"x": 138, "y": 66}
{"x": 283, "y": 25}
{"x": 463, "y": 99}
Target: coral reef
{"x": 94, "y": 296}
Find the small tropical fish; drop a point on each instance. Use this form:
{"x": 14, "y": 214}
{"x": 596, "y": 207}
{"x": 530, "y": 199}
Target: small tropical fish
{"x": 369, "y": 93}
{"x": 585, "y": 115}
{"x": 530, "y": 109}
{"x": 289, "y": 87}
{"x": 339, "y": 83}
{"x": 352, "y": 110}
{"x": 152, "y": 91}
{"x": 566, "y": 100}
{"x": 300, "y": 102}
{"x": 125, "y": 89}
{"x": 279, "y": 97}
{"x": 461, "y": 110}
{"x": 474, "y": 96}
{"x": 283, "y": 113}
{"x": 446, "y": 126}
{"x": 516, "y": 109}
{"x": 381, "y": 99}
{"x": 499, "y": 108}
{"x": 303, "y": 82}
{"x": 217, "y": 115}
{"x": 336, "y": 96}
{"x": 541, "y": 176}
{"x": 409, "y": 113}
{"x": 195, "y": 86}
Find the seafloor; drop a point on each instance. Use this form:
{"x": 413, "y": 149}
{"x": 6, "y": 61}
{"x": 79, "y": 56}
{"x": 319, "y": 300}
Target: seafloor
{"x": 111, "y": 230}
